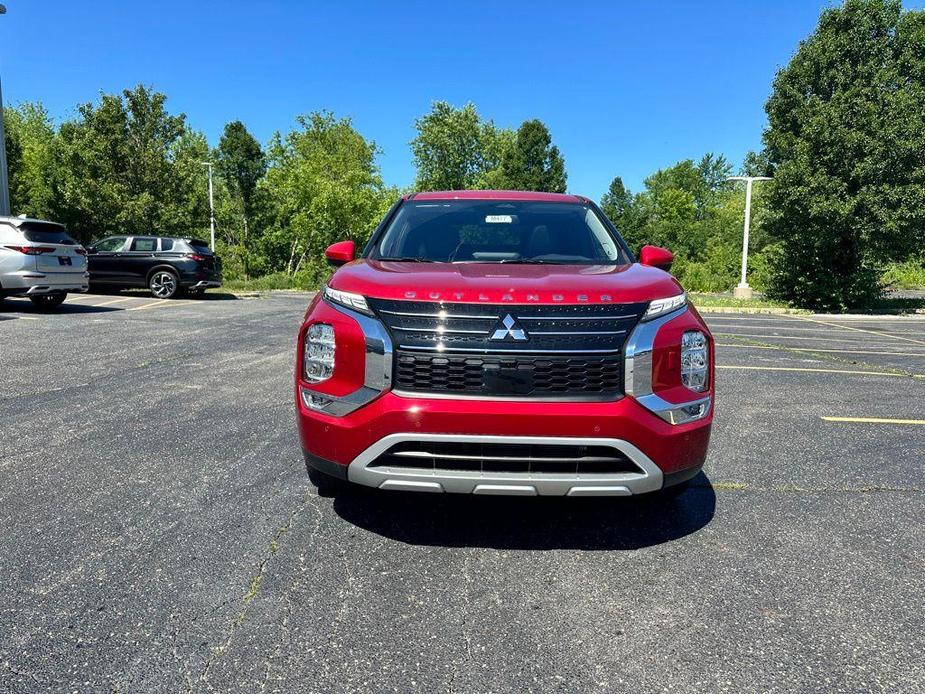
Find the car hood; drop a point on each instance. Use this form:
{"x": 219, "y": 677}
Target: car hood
{"x": 496, "y": 283}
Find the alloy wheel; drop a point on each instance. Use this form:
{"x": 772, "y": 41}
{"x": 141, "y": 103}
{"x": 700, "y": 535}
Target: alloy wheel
{"x": 163, "y": 285}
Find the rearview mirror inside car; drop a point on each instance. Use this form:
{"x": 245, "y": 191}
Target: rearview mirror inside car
{"x": 654, "y": 256}
{"x": 340, "y": 253}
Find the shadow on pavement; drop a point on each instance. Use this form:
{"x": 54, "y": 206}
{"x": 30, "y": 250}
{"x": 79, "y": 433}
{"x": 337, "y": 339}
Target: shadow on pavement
{"x": 529, "y": 523}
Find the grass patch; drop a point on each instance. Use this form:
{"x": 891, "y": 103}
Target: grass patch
{"x": 276, "y": 280}
{"x": 702, "y": 299}
{"x": 907, "y": 275}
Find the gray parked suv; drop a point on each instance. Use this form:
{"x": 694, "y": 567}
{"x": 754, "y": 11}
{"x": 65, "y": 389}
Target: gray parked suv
{"x": 39, "y": 260}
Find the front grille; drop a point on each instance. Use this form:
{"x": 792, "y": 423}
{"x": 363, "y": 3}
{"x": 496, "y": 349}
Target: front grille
{"x": 541, "y": 376}
{"x": 564, "y": 459}
{"x": 533, "y": 351}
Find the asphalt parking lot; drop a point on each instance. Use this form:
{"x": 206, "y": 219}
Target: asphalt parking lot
{"x": 158, "y": 531}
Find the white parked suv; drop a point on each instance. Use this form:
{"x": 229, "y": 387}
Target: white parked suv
{"x": 39, "y": 260}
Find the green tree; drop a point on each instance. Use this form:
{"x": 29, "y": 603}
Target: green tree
{"x": 325, "y": 186}
{"x": 30, "y": 136}
{"x": 756, "y": 164}
{"x": 455, "y": 150}
{"x": 618, "y": 204}
{"x": 126, "y": 165}
{"x": 533, "y": 162}
{"x": 846, "y": 136}
{"x": 241, "y": 163}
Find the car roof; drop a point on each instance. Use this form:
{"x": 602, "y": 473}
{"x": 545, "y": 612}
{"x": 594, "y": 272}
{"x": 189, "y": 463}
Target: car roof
{"x": 512, "y": 195}
{"x": 19, "y": 221}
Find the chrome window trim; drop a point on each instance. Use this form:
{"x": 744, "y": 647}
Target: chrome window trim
{"x": 637, "y": 374}
{"x": 649, "y": 479}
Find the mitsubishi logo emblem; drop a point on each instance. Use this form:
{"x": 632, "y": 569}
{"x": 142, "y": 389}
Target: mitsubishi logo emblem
{"x": 511, "y": 329}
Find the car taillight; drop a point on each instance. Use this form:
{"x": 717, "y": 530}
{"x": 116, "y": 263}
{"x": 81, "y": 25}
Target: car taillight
{"x": 32, "y": 250}
{"x": 318, "y": 355}
{"x": 80, "y": 251}
{"x": 194, "y": 256}
{"x": 695, "y": 360}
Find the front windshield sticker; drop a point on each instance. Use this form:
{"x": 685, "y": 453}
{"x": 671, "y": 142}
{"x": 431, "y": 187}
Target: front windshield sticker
{"x": 499, "y": 219}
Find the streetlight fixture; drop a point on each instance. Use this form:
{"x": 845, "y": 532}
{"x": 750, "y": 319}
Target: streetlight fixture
{"x": 743, "y": 291}
{"x": 211, "y": 206}
{"x": 4, "y": 179}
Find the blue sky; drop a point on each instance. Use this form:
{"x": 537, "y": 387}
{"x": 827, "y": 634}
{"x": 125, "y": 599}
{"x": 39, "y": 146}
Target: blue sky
{"x": 625, "y": 87}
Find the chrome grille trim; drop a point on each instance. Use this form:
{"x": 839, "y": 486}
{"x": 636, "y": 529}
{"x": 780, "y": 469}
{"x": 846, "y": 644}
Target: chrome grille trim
{"x": 511, "y": 346}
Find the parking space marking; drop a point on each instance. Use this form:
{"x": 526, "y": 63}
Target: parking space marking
{"x": 799, "y": 337}
{"x": 115, "y": 301}
{"x": 852, "y": 372}
{"x": 823, "y": 350}
{"x": 874, "y": 420}
{"x": 163, "y": 303}
{"x": 813, "y": 330}
{"x": 151, "y": 304}
{"x": 862, "y": 330}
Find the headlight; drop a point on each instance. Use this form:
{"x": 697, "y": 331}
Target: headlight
{"x": 695, "y": 360}
{"x": 318, "y": 357}
{"x": 355, "y": 301}
{"x": 660, "y": 307}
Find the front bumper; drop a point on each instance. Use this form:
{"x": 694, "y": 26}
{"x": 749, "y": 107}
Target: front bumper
{"x": 350, "y": 443}
{"x": 348, "y": 432}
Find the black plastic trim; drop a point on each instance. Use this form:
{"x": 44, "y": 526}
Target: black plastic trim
{"x": 325, "y": 466}
{"x": 682, "y": 476}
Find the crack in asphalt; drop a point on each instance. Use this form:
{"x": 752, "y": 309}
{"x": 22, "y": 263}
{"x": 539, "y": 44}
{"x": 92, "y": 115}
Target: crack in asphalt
{"x": 268, "y": 664}
{"x": 252, "y": 592}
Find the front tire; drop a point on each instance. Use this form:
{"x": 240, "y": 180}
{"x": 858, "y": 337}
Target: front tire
{"x": 48, "y": 301}
{"x": 164, "y": 284}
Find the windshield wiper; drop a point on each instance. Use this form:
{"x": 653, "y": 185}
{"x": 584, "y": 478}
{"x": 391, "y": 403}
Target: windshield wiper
{"x": 529, "y": 261}
{"x": 406, "y": 260}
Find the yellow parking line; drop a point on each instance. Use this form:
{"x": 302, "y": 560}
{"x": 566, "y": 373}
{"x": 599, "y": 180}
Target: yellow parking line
{"x": 149, "y": 305}
{"x": 163, "y": 303}
{"x": 825, "y": 371}
{"x": 818, "y": 349}
{"x": 793, "y": 337}
{"x": 874, "y": 420}
{"x": 862, "y": 330}
{"x": 78, "y": 297}
{"x": 803, "y": 330}
{"x": 115, "y": 301}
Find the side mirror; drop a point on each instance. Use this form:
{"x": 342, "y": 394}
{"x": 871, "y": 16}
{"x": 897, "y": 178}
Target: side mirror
{"x": 654, "y": 256}
{"x": 340, "y": 253}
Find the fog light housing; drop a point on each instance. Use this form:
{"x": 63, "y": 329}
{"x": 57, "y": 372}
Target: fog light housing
{"x": 695, "y": 360}
{"x": 318, "y": 355}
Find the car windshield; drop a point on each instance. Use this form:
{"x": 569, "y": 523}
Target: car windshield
{"x": 492, "y": 231}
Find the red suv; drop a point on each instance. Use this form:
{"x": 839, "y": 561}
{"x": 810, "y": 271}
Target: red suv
{"x": 499, "y": 342}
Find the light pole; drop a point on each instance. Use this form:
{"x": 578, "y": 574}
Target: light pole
{"x": 743, "y": 291}
{"x": 211, "y": 206}
{"x": 4, "y": 179}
